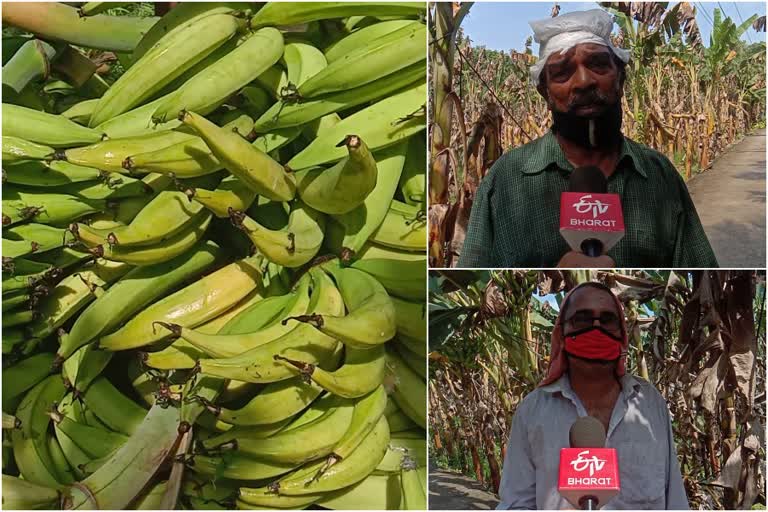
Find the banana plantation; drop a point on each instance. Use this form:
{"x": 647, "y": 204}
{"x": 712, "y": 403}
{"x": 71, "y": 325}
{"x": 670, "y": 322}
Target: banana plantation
{"x": 698, "y": 337}
{"x": 685, "y": 97}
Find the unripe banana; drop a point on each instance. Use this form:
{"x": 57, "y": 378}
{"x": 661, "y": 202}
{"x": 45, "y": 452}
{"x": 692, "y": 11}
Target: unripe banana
{"x": 409, "y": 390}
{"x": 413, "y": 182}
{"x": 209, "y": 88}
{"x": 305, "y": 443}
{"x": 291, "y": 247}
{"x": 232, "y": 194}
{"x": 344, "y": 186}
{"x": 173, "y": 55}
{"x": 383, "y": 56}
{"x": 356, "y": 467}
{"x": 277, "y": 13}
{"x": 137, "y": 289}
{"x": 52, "y": 130}
{"x": 403, "y": 228}
{"x": 187, "y": 159}
{"x": 413, "y": 489}
{"x": 361, "y": 373}
{"x": 24, "y": 375}
{"x": 370, "y": 318}
{"x": 404, "y": 279}
{"x": 164, "y": 216}
{"x": 19, "y": 494}
{"x": 46, "y": 208}
{"x": 361, "y": 37}
{"x": 383, "y": 124}
{"x": 178, "y": 19}
{"x": 30, "y": 443}
{"x": 191, "y": 306}
{"x": 256, "y": 169}
{"x": 119, "y": 480}
{"x": 16, "y": 149}
{"x": 162, "y": 251}
{"x": 37, "y": 173}
{"x": 286, "y": 113}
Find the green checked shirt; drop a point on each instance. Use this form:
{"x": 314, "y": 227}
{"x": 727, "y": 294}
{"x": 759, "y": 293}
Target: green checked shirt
{"x": 515, "y": 219}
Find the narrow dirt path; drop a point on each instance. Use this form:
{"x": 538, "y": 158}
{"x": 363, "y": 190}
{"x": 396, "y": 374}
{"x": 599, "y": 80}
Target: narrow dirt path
{"x": 449, "y": 490}
{"x": 730, "y": 200}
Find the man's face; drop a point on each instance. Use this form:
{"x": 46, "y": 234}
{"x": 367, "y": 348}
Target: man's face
{"x": 589, "y": 307}
{"x": 583, "y": 81}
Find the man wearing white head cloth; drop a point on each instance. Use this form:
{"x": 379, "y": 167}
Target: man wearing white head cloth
{"x": 515, "y": 217}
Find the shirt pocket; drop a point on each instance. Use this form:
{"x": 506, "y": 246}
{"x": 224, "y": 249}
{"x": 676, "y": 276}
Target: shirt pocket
{"x": 643, "y": 477}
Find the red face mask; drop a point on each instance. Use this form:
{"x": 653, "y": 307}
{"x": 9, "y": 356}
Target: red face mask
{"x": 593, "y": 343}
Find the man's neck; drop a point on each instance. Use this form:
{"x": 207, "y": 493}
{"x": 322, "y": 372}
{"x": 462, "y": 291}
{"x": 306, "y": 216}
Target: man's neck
{"x": 604, "y": 159}
{"x": 594, "y": 385}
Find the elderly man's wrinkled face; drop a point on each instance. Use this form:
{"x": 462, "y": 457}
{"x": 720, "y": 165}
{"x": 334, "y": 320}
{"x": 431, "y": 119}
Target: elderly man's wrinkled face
{"x": 583, "y": 81}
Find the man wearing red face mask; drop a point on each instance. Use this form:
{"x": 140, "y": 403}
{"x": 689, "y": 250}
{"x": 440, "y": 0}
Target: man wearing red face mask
{"x": 587, "y": 377}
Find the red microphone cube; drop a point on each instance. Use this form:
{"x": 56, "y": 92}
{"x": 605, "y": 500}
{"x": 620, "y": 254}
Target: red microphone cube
{"x": 588, "y": 472}
{"x": 586, "y": 215}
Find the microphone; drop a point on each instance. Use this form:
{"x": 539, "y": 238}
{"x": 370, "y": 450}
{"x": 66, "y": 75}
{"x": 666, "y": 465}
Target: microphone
{"x": 591, "y": 220}
{"x": 589, "y": 472}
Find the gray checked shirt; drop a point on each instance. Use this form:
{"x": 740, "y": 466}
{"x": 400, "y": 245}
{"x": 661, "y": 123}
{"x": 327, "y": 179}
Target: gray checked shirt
{"x": 639, "y": 430}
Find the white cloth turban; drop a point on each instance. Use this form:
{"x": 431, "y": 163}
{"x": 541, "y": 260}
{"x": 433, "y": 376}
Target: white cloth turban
{"x": 562, "y": 33}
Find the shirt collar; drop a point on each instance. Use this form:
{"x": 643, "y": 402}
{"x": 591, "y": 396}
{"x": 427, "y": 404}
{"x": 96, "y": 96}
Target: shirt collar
{"x": 563, "y": 385}
{"x": 547, "y": 152}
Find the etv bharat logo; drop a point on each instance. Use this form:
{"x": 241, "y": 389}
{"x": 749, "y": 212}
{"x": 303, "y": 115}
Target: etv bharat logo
{"x": 596, "y": 206}
{"x": 591, "y": 463}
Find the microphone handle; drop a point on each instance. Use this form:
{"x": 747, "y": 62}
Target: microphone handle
{"x": 588, "y": 503}
{"x": 592, "y": 247}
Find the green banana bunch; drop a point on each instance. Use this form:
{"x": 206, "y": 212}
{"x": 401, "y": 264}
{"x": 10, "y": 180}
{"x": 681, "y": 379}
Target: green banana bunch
{"x": 350, "y": 470}
{"x": 121, "y": 219}
{"x": 304, "y": 342}
{"x": 229, "y": 345}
